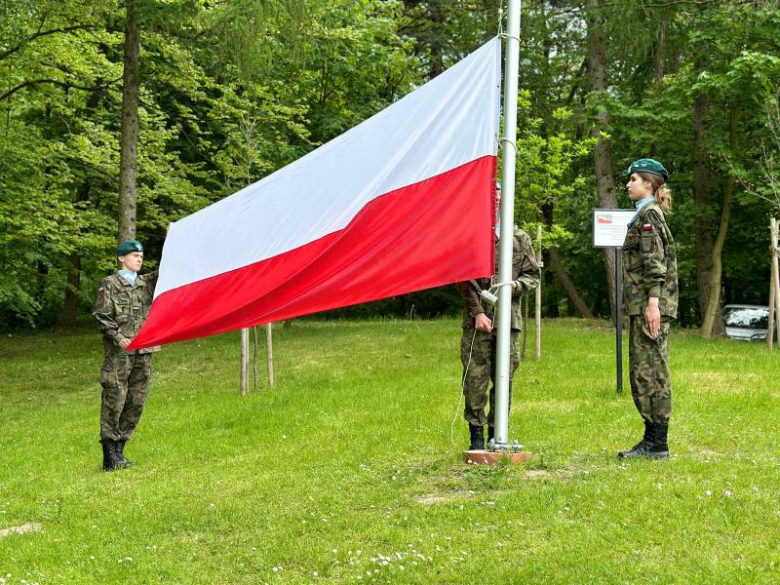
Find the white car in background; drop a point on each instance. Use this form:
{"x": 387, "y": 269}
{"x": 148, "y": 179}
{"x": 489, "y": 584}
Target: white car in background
{"x": 746, "y": 322}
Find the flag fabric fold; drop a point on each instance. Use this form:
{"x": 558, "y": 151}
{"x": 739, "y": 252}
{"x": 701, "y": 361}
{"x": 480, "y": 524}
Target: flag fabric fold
{"x": 399, "y": 203}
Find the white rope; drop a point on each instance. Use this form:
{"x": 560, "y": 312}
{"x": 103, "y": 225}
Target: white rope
{"x": 462, "y": 387}
{"x": 500, "y": 284}
{"x": 504, "y": 35}
{"x": 508, "y": 141}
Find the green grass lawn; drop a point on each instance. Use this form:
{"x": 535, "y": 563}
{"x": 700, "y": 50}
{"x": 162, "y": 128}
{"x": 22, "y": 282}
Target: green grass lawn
{"x": 345, "y": 472}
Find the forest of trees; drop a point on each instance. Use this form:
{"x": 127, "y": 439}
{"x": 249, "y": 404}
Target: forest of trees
{"x": 119, "y": 116}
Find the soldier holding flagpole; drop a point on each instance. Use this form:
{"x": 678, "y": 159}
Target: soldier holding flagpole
{"x": 478, "y": 342}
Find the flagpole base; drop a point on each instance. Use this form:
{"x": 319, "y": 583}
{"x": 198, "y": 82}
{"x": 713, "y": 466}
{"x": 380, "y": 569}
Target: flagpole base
{"x": 485, "y": 457}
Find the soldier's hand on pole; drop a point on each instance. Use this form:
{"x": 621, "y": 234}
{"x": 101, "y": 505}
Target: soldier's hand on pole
{"x": 483, "y": 323}
{"x": 125, "y": 343}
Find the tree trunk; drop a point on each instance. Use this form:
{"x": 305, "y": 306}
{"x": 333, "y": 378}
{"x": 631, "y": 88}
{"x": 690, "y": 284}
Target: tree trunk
{"x": 660, "y": 53}
{"x": 437, "y": 18}
{"x": 602, "y": 152}
{"x": 554, "y": 257}
{"x": 575, "y": 300}
{"x": 128, "y": 165}
{"x": 701, "y": 193}
{"x": 660, "y": 66}
{"x": 73, "y": 287}
{"x": 40, "y": 284}
{"x": 551, "y": 298}
{"x": 71, "y": 305}
{"x": 712, "y": 322}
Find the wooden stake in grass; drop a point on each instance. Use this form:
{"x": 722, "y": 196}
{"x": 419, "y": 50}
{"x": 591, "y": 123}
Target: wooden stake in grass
{"x": 772, "y": 292}
{"x": 255, "y": 375}
{"x": 524, "y": 309}
{"x": 538, "y": 292}
{"x": 774, "y": 289}
{"x": 269, "y": 347}
{"x": 245, "y": 358}
{"x": 771, "y": 320}
{"x": 244, "y": 362}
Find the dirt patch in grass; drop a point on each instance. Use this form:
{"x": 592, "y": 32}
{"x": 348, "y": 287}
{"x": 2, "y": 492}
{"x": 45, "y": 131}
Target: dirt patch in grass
{"x": 433, "y": 499}
{"x": 538, "y": 474}
{"x": 23, "y": 529}
{"x": 561, "y": 474}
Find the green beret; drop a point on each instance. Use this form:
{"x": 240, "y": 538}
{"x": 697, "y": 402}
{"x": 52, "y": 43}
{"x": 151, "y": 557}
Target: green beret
{"x": 648, "y": 165}
{"x": 129, "y": 246}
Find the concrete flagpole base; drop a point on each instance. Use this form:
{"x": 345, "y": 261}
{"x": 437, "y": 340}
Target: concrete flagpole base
{"x": 485, "y": 457}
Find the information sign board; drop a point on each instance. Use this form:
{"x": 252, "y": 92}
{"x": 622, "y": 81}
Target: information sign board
{"x": 610, "y": 227}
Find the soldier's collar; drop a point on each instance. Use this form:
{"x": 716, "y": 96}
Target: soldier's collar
{"x": 129, "y": 278}
{"x": 643, "y": 202}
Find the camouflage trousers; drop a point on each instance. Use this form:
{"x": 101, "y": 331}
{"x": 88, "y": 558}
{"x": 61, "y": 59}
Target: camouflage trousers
{"x": 480, "y": 370}
{"x": 125, "y": 379}
{"x": 648, "y": 361}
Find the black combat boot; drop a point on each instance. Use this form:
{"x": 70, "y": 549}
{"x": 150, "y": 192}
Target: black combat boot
{"x": 477, "y": 437}
{"x": 119, "y": 447}
{"x": 660, "y": 447}
{"x": 110, "y": 460}
{"x": 642, "y": 448}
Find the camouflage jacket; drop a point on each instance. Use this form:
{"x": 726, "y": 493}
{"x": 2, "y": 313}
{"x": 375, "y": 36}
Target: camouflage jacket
{"x": 649, "y": 263}
{"x": 525, "y": 274}
{"x": 121, "y": 309}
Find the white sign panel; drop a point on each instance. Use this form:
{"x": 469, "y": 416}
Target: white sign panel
{"x": 610, "y": 227}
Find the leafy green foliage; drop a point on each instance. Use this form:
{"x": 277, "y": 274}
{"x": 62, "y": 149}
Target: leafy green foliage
{"x": 232, "y": 91}
{"x": 217, "y": 112}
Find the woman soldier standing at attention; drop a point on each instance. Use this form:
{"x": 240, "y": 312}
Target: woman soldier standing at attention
{"x": 650, "y": 297}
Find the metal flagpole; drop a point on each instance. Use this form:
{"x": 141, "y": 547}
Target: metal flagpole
{"x": 507, "y": 221}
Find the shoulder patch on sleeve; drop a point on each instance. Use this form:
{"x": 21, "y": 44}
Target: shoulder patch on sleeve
{"x": 656, "y": 215}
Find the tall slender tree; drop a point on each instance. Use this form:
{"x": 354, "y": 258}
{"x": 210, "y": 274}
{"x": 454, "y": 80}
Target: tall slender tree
{"x": 128, "y": 142}
{"x": 602, "y": 151}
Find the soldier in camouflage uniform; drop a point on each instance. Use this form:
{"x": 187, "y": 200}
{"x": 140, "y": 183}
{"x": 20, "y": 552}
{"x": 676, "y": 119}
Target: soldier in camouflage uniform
{"x": 650, "y": 298}
{"x": 478, "y": 341}
{"x": 123, "y": 301}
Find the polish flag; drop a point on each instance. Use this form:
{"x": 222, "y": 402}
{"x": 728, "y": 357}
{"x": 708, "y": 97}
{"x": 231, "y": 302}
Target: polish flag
{"x": 400, "y": 203}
